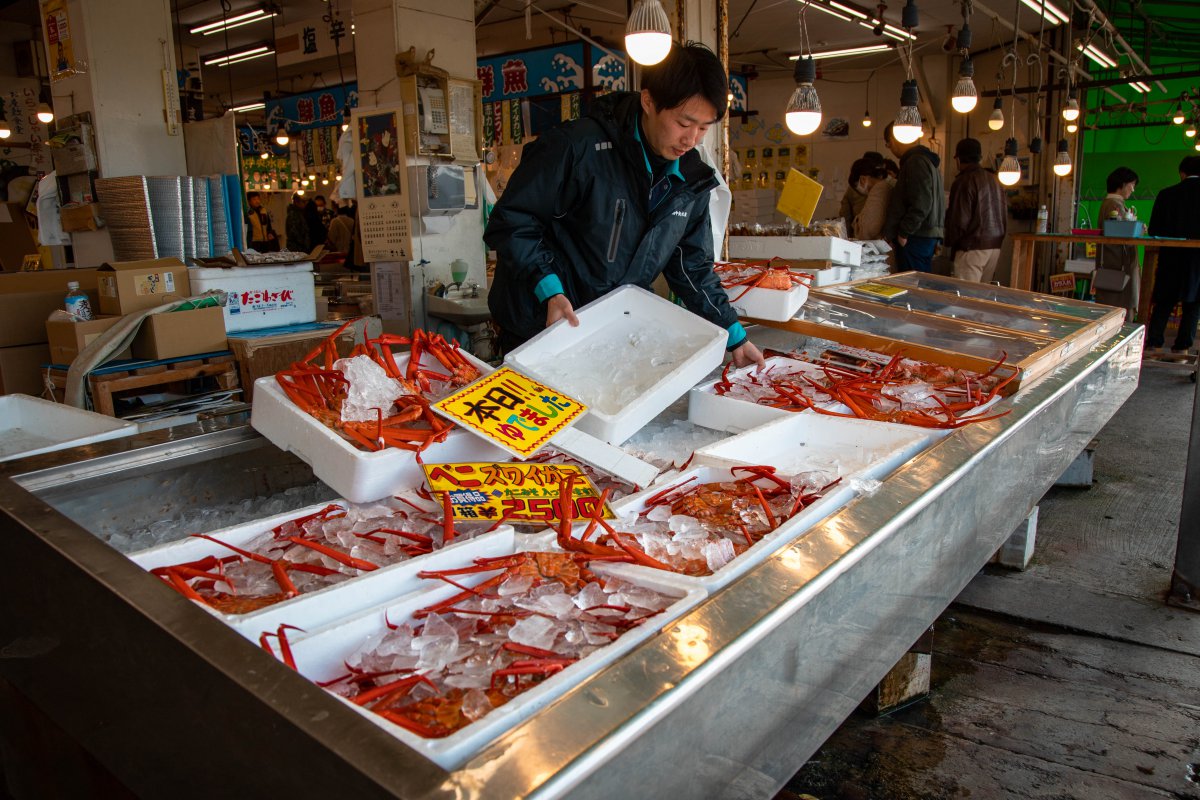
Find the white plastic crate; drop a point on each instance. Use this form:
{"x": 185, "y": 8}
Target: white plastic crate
{"x": 618, "y": 314}
{"x": 261, "y": 297}
{"x": 313, "y": 610}
{"x": 818, "y": 248}
{"x": 321, "y": 656}
{"x": 772, "y": 304}
{"x": 32, "y": 426}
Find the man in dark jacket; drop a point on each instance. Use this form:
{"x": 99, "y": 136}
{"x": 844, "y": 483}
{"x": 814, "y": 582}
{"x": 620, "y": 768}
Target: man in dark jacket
{"x": 616, "y": 198}
{"x": 917, "y": 209}
{"x": 976, "y": 216}
{"x": 1177, "y": 279}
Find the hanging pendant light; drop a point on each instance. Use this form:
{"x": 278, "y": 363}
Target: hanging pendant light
{"x": 803, "y": 114}
{"x": 45, "y": 114}
{"x": 1070, "y": 111}
{"x": 1178, "y": 118}
{"x": 996, "y": 118}
{"x": 281, "y": 136}
{"x": 1062, "y": 160}
{"x": 264, "y": 154}
{"x": 1072, "y": 127}
{"x": 866, "y": 118}
{"x": 1035, "y": 145}
{"x": 1010, "y": 168}
{"x": 965, "y": 96}
{"x": 648, "y": 33}
{"x": 907, "y": 127}
{"x": 5, "y": 130}
{"x": 1190, "y": 132}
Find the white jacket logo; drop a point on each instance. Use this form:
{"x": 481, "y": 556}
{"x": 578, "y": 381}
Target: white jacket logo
{"x": 679, "y": 214}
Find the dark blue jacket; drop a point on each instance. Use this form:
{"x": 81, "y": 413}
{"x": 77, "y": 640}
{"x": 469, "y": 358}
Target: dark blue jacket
{"x": 577, "y": 208}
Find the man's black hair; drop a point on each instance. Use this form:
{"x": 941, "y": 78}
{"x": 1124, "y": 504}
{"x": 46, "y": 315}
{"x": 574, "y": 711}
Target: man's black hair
{"x": 1190, "y": 165}
{"x": 969, "y": 151}
{"x": 1119, "y": 177}
{"x": 320, "y": 197}
{"x": 873, "y": 156}
{"x": 251, "y": 195}
{"x": 865, "y": 166}
{"x": 687, "y": 71}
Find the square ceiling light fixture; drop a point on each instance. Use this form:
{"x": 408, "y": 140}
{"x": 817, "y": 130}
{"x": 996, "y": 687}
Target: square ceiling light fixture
{"x": 848, "y": 13}
{"x": 237, "y": 56}
{"x": 236, "y": 21}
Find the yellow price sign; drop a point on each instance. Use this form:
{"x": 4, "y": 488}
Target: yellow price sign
{"x": 516, "y": 412}
{"x": 799, "y": 197}
{"x": 522, "y": 494}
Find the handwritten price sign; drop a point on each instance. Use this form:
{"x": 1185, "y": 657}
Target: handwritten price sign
{"x": 512, "y": 410}
{"x": 527, "y": 494}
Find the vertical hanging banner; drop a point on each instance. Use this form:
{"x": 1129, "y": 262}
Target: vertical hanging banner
{"x": 516, "y": 124}
{"x": 61, "y": 54}
{"x": 383, "y": 184}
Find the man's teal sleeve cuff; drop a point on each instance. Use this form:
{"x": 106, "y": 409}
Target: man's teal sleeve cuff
{"x": 548, "y": 287}
{"x": 737, "y": 336}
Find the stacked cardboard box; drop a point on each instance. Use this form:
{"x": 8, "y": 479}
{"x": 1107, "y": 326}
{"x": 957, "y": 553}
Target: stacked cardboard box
{"x": 26, "y": 300}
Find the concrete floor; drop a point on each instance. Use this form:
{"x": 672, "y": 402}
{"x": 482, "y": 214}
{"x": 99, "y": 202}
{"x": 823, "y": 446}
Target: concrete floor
{"x": 1070, "y": 680}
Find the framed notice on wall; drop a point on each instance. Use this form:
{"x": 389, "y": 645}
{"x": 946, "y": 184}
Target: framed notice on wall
{"x": 383, "y": 184}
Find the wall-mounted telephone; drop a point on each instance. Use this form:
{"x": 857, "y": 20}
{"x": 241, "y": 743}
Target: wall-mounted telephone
{"x": 434, "y": 116}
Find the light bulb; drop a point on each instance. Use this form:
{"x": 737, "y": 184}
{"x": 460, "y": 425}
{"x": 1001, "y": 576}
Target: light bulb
{"x": 45, "y": 114}
{"x": 867, "y": 118}
{"x": 996, "y": 119}
{"x": 281, "y": 136}
{"x": 266, "y": 186}
{"x": 965, "y": 94}
{"x": 337, "y": 177}
{"x": 1062, "y": 160}
{"x": 304, "y": 182}
{"x": 803, "y": 114}
{"x": 345, "y": 126}
{"x": 1178, "y": 118}
{"x": 300, "y": 192}
{"x": 1010, "y": 169}
{"x": 5, "y": 131}
{"x": 648, "y": 33}
{"x": 1197, "y": 147}
{"x": 1070, "y": 111}
{"x": 1072, "y": 127}
{"x": 324, "y": 181}
{"x": 907, "y": 127}
{"x": 1190, "y": 132}
{"x": 312, "y": 177}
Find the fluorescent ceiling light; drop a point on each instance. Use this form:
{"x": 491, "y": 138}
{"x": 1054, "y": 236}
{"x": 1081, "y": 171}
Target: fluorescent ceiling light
{"x": 1048, "y": 11}
{"x": 849, "y": 51}
{"x": 899, "y": 34}
{"x": 249, "y": 107}
{"x": 243, "y": 55}
{"x": 854, "y": 12}
{"x": 847, "y": 13}
{"x": 1139, "y": 86}
{"x": 236, "y": 21}
{"x": 1096, "y": 54}
{"x": 832, "y": 13}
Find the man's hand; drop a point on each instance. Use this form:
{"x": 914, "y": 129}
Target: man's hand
{"x": 746, "y": 353}
{"x": 559, "y": 307}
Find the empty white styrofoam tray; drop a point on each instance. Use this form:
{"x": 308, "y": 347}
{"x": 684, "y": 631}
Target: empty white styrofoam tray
{"x": 312, "y": 610}
{"x": 817, "y": 248}
{"x": 32, "y": 426}
{"x": 321, "y": 657}
{"x": 773, "y": 304}
{"x": 614, "y": 317}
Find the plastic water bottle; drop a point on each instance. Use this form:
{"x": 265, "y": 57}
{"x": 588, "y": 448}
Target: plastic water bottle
{"x": 77, "y": 303}
{"x": 1043, "y": 219}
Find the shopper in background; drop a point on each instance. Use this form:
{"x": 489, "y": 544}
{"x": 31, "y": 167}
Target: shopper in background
{"x": 618, "y": 197}
{"x": 258, "y": 219}
{"x": 1117, "y": 281}
{"x": 341, "y": 232}
{"x": 296, "y": 227}
{"x": 878, "y": 190}
{"x": 976, "y": 216}
{"x": 1177, "y": 279}
{"x": 328, "y": 212}
{"x": 917, "y": 208}
{"x": 314, "y": 218}
{"x": 855, "y": 197}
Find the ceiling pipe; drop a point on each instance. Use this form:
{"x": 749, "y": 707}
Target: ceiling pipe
{"x": 1095, "y": 11}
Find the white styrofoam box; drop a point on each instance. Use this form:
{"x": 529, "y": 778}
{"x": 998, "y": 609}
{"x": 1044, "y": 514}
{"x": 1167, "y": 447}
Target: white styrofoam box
{"x": 833, "y": 500}
{"x": 604, "y": 457}
{"x": 798, "y": 442}
{"x": 32, "y": 425}
{"x": 1082, "y": 266}
{"x": 261, "y": 297}
{"x": 773, "y": 304}
{"x": 321, "y": 656}
{"x": 313, "y": 610}
{"x": 708, "y": 409}
{"x": 823, "y": 277}
{"x": 358, "y": 475}
{"x": 820, "y": 248}
{"x": 610, "y": 317}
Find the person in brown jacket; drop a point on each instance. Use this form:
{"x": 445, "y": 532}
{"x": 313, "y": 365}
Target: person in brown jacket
{"x": 976, "y": 215}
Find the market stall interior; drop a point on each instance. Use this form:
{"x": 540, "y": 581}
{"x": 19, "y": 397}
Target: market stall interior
{"x": 270, "y": 461}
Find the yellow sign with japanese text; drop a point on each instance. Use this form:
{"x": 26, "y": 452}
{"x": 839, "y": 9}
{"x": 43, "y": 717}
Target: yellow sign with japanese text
{"x": 511, "y": 410}
{"x": 518, "y": 493}
{"x": 1062, "y": 283}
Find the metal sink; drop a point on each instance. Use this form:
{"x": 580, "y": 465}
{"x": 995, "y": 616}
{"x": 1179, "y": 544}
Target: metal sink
{"x": 465, "y": 310}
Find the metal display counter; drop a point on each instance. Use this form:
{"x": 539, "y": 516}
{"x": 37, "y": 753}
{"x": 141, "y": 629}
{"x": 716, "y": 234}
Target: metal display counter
{"x": 728, "y": 701}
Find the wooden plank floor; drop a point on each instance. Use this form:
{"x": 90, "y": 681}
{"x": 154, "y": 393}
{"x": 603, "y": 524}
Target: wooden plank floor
{"x": 1070, "y": 680}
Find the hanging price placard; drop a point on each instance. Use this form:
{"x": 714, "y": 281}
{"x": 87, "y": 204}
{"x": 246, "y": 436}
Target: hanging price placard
{"x": 523, "y": 494}
{"x": 516, "y": 412}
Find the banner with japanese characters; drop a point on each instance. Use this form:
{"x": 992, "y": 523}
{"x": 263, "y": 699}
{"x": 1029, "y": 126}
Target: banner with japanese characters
{"x": 548, "y": 70}
{"x": 512, "y": 410}
{"x": 316, "y": 37}
{"x": 316, "y": 109}
{"x": 522, "y": 494}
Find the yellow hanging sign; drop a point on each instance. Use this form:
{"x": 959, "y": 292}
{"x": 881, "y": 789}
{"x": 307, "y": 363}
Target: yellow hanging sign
{"x": 511, "y": 410}
{"x": 519, "y": 493}
{"x": 799, "y": 197}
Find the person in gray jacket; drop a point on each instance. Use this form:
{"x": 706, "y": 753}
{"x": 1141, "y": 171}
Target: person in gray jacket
{"x": 917, "y": 208}
{"x": 976, "y": 216}
{"x": 618, "y": 197}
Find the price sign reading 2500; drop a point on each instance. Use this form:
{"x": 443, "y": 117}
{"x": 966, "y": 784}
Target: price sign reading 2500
{"x": 516, "y": 412}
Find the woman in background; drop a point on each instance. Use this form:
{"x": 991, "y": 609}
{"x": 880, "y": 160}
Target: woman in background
{"x": 1118, "y": 279}
{"x": 877, "y": 189}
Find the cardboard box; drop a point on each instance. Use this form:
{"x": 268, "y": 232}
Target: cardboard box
{"x": 181, "y": 333}
{"x": 23, "y": 315}
{"x": 16, "y": 237}
{"x": 66, "y": 339}
{"x": 21, "y": 369}
{"x": 84, "y": 217}
{"x": 50, "y": 280}
{"x": 128, "y": 286}
{"x": 259, "y": 356}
